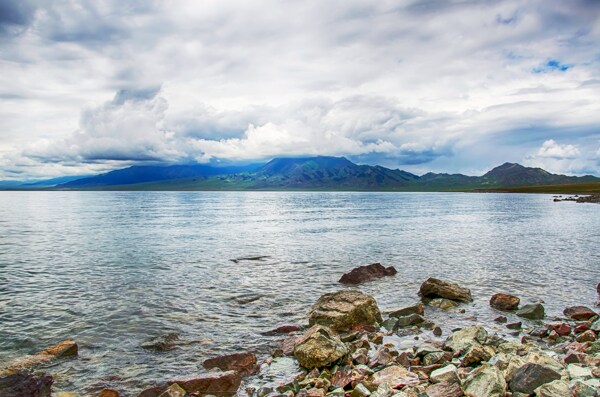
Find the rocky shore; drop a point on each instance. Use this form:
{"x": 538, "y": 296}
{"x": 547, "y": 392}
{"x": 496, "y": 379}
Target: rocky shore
{"x": 592, "y": 198}
{"x": 349, "y": 349}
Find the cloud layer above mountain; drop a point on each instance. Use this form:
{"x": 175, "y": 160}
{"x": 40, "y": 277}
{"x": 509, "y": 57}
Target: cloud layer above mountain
{"x": 457, "y": 86}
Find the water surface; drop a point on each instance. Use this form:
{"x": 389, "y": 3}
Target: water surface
{"x": 113, "y": 269}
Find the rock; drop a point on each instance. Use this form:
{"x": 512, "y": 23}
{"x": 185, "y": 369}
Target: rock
{"x": 319, "y": 347}
{"x": 533, "y": 311}
{"x": 487, "y": 381}
{"x": 390, "y": 323}
{"x": 587, "y": 336}
{"x": 514, "y": 325}
{"x": 579, "y": 313}
{"x": 531, "y": 376}
{"x": 360, "y": 391}
{"x": 365, "y": 273}
{"x": 343, "y": 309}
{"x": 580, "y": 389}
{"x": 283, "y": 329}
{"x": 501, "y": 319}
{"x": 436, "y": 288}
{"x": 561, "y": 328}
{"x": 576, "y": 371}
{"x": 26, "y": 384}
{"x": 315, "y": 392}
{"x": 464, "y": 338}
{"x": 162, "y": 343}
{"x": 216, "y": 384}
{"x": 442, "y": 303}
{"x": 557, "y": 388}
{"x": 437, "y": 331}
{"x": 343, "y": 378}
{"x": 447, "y": 374}
{"x": 244, "y": 363}
{"x": 109, "y": 393}
{"x": 66, "y": 348}
{"x": 395, "y": 376}
{"x": 65, "y": 394}
{"x": 155, "y": 391}
{"x": 445, "y": 389}
{"x": 504, "y": 302}
{"x": 173, "y": 391}
{"x": 407, "y": 321}
{"x": 405, "y": 311}
{"x": 476, "y": 354}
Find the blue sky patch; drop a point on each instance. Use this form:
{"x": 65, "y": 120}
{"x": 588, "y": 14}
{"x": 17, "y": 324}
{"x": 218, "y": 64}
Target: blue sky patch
{"x": 551, "y": 66}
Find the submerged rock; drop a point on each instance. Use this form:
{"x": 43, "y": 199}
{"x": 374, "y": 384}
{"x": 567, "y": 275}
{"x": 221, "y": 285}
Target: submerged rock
{"x": 533, "y": 311}
{"x": 319, "y": 347}
{"x": 283, "y": 329}
{"x": 26, "y": 384}
{"x": 365, "y": 273}
{"x": 343, "y": 309}
{"x": 406, "y": 311}
{"x": 244, "y": 363}
{"x": 162, "y": 343}
{"x": 436, "y": 288}
{"x": 504, "y": 302}
{"x": 579, "y": 313}
{"x": 531, "y": 376}
{"x": 66, "y": 348}
{"x": 443, "y": 303}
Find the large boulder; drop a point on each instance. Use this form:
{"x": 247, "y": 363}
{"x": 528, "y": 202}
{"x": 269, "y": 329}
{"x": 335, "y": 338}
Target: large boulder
{"x": 580, "y": 313}
{"x": 215, "y": 384}
{"x": 436, "y": 288}
{"x": 365, "y": 273}
{"x": 465, "y": 338}
{"x": 319, "y": 347}
{"x": 531, "y": 376}
{"x": 343, "y": 309}
{"x": 533, "y": 311}
{"x": 504, "y": 302}
{"x": 26, "y": 384}
{"x": 244, "y": 363}
{"x": 487, "y": 381}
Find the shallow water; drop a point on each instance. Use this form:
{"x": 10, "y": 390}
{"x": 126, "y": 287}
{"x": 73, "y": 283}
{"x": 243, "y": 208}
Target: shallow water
{"x": 113, "y": 269}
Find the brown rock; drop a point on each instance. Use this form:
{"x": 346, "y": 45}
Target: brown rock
{"x": 366, "y": 273}
{"x": 581, "y": 328}
{"x": 345, "y": 377}
{"x": 67, "y": 348}
{"x": 244, "y": 363}
{"x": 504, "y": 302}
{"x": 406, "y": 311}
{"x": 436, "y": 288}
{"x": 445, "y": 389}
{"x": 26, "y": 384}
{"x": 394, "y": 376}
{"x": 288, "y": 344}
{"x": 587, "y": 336}
{"x": 154, "y": 391}
{"x": 319, "y": 347}
{"x": 343, "y": 309}
{"x": 283, "y": 329}
{"x": 109, "y": 393}
{"x": 579, "y": 312}
{"x": 560, "y": 328}
{"x": 216, "y": 384}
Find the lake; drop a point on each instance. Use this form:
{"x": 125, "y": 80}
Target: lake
{"x": 112, "y": 270}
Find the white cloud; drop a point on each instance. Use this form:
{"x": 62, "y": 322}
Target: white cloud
{"x": 551, "y": 149}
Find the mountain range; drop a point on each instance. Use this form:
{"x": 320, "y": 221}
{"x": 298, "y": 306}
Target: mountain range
{"x": 306, "y": 173}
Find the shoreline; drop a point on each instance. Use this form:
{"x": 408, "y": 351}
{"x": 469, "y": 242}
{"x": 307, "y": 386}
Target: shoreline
{"x": 404, "y": 355}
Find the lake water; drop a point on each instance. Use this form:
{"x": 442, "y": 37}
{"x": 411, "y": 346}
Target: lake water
{"x": 114, "y": 269}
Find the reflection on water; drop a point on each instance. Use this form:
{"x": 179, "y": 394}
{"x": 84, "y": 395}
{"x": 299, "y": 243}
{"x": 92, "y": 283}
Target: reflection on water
{"x": 114, "y": 269}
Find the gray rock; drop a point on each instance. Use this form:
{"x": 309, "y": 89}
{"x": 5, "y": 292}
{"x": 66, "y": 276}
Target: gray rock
{"x": 319, "y": 347}
{"x": 445, "y": 389}
{"x": 557, "y": 388}
{"x": 531, "y": 376}
{"x": 487, "y": 381}
{"x": 343, "y": 309}
{"x": 361, "y": 391}
{"x": 407, "y": 321}
{"x": 414, "y": 309}
{"x": 533, "y": 311}
{"x": 445, "y": 374}
{"x": 436, "y": 288}
{"x": 26, "y": 384}
{"x": 461, "y": 340}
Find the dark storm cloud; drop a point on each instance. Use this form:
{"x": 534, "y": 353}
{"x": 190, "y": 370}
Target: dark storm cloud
{"x": 15, "y": 16}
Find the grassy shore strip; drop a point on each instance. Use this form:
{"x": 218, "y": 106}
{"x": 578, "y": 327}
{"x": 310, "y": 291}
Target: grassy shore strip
{"x": 577, "y": 188}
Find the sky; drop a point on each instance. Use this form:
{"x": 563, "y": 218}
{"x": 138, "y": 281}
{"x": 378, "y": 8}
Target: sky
{"x": 429, "y": 85}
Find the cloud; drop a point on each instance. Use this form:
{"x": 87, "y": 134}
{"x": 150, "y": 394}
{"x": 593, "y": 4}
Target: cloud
{"x": 551, "y": 149}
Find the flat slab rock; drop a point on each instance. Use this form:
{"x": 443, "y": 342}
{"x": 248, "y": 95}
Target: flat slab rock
{"x": 244, "y": 363}
{"x": 216, "y": 384}
{"x": 363, "y": 274}
{"x": 436, "y": 288}
{"x": 579, "y": 313}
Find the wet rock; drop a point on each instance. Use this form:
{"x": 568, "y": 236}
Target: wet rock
{"x": 587, "y": 336}
{"x": 405, "y": 311}
{"x": 394, "y": 376}
{"x": 442, "y": 303}
{"x": 464, "y": 338}
{"x": 67, "y": 348}
{"x": 579, "y": 313}
{"x": 173, "y": 391}
{"x": 162, "y": 343}
{"x": 504, "y": 302}
{"x": 557, "y": 388}
{"x": 109, "y": 393}
{"x": 153, "y": 391}
{"x": 407, "y": 321}
{"x": 560, "y": 328}
{"x": 486, "y": 381}
{"x": 514, "y": 325}
{"x": 26, "y": 384}
{"x": 445, "y": 389}
{"x": 501, "y": 319}
{"x": 343, "y": 309}
{"x": 216, "y": 384}
{"x": 319, "y": 347}
{"x": 437, "y": 331}
{"x": 447, "y": 374}
{"x": 531, "y": 376}
{"x": 244, "y": 363}
{"x": 390, "y": 323}
{"x": 283, "y": 329}
{"x": 533, "y": 311}
{"x": 436, "y": 288}
{"x": 365, "y": 273}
